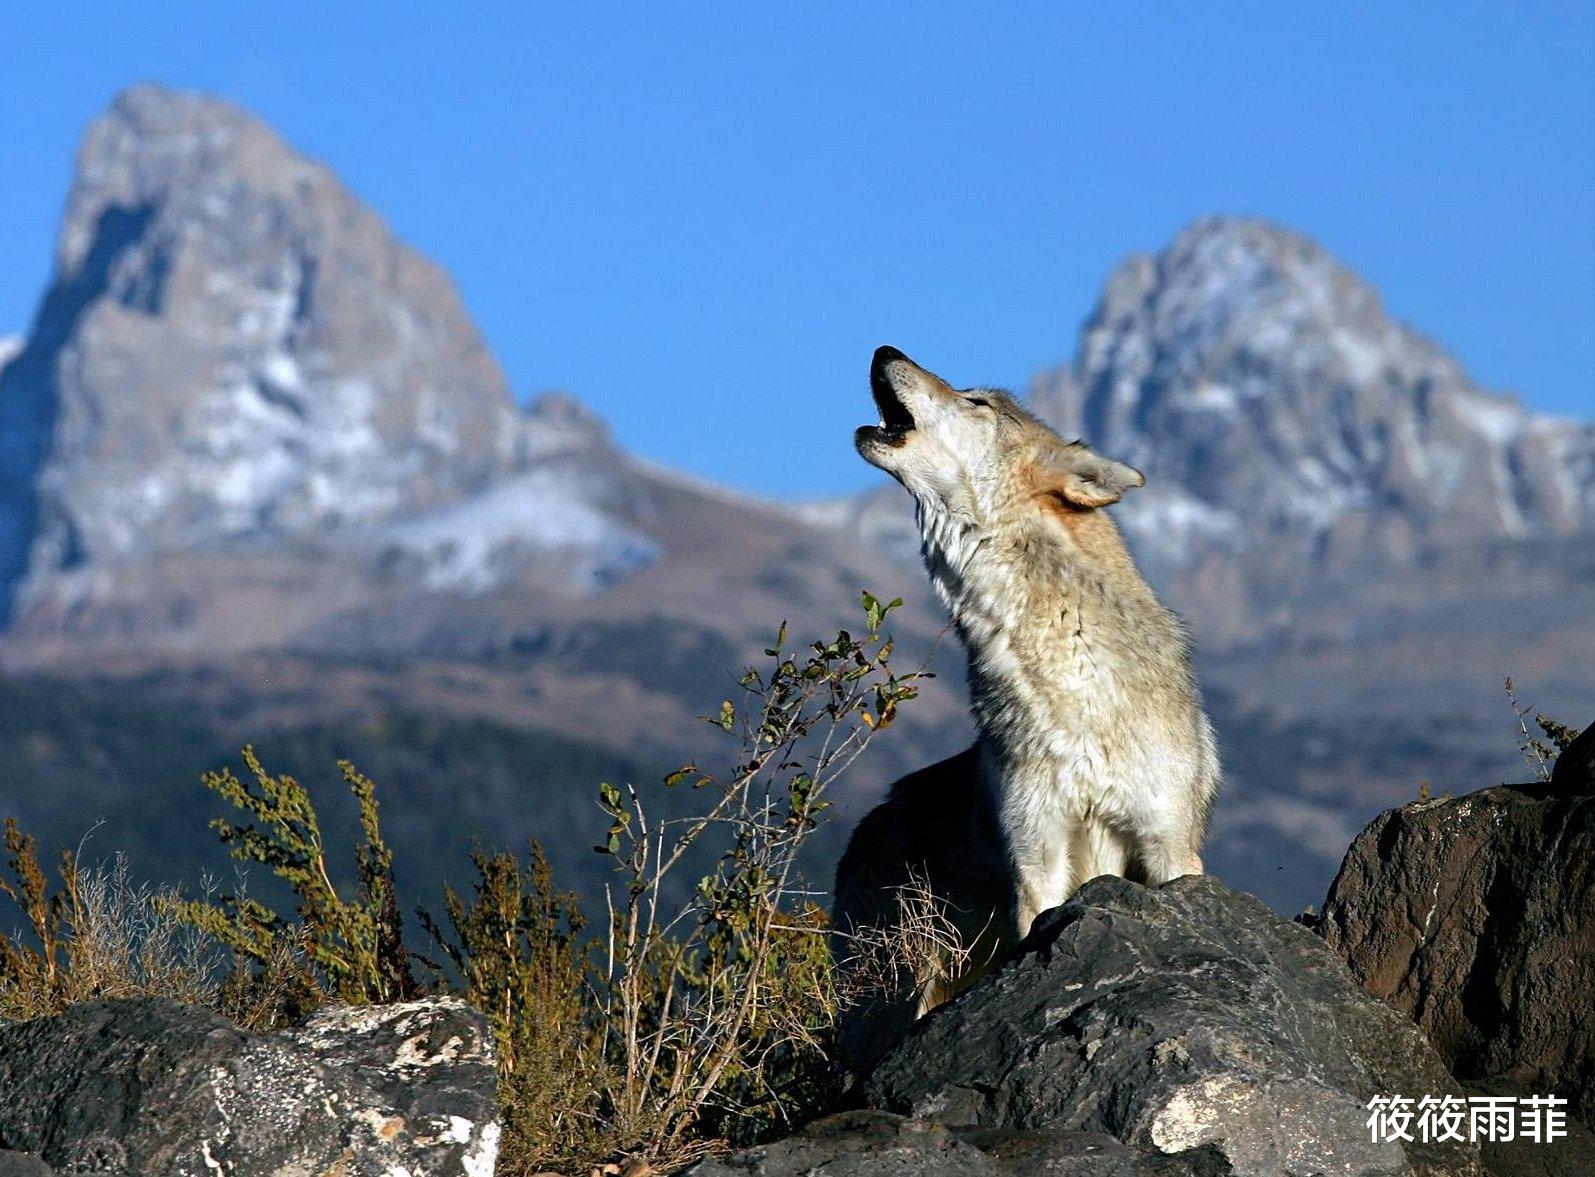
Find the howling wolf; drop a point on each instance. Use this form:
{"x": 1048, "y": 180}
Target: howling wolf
{"x": 1093, "y": 755}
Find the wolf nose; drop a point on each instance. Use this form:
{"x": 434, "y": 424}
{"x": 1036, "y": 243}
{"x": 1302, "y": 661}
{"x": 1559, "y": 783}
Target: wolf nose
{"x": 885, "y": 355}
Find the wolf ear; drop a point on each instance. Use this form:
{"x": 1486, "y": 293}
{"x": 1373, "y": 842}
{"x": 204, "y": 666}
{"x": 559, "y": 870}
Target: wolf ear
{"x": 1084, "y": 479}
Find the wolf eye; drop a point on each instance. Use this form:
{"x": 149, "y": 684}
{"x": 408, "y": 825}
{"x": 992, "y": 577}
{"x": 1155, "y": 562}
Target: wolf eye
{"x": 978, "y": 400}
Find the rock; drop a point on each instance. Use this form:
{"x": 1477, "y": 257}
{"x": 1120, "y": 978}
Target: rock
{"x": 1475, "y": 917}
{"x": 1571, "y": 1156}
{"x": 20, "y": 1164}
{"x": 430, "y": 1062}
{"x": 879, "y": 1144}
{"x": 155, "y": 1088}
{"x": 1170, "y": 1018}
{"x": 1065, "y": 1153}
{"x": 860, "y": 1142}
{"x": 1574, "y": 770}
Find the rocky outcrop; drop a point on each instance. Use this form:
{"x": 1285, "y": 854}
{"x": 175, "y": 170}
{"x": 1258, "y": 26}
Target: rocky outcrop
{"x": 1476, "y": 918}
{"x": 150, "y": 1088}
{"x": 20, "y": 1164}
{"x": 1172, "y": 1018}
{"x": 879, "y": 1144}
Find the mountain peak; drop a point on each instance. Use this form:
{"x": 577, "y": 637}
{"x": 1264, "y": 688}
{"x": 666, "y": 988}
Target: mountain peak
{"x": 1254, "y": 235}
{"x": 559, "y": 423}
{"x": 1227, "y": 279}
{"x": 149, "y": 109}
{"x": 152, "y": 142}
{"x": 232, "y": 344}
{"x": 1271, "y": 400}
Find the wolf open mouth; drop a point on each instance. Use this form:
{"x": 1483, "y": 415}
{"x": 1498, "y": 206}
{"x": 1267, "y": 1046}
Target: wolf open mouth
{"x": 896, "y": 421}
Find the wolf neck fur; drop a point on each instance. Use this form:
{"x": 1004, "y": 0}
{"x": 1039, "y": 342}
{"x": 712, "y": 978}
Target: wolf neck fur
{"x": 1026, "y": 596}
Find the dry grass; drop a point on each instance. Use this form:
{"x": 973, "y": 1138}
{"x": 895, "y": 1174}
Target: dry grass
{"x": 922, "y": 951}
{"x": 96, "y": 935}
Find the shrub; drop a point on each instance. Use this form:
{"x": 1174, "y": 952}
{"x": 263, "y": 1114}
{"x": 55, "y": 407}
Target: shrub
{"x": 347, "y": 950}
{"x": 519, "y": 951}
{"x": 683, "y": 1027}
{"x": 1538, "y": 753}
{"x": 920, "y": 950}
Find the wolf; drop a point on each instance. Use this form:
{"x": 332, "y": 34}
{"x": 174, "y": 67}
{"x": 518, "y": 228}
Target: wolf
{"x": 1093, "y": 754}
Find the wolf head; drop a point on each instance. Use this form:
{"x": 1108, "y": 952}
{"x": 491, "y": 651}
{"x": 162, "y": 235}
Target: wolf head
{"x": 975, "y": 456}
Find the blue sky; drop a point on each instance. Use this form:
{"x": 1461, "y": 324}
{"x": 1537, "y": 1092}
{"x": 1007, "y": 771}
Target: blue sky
{"x": 701, "y": 218}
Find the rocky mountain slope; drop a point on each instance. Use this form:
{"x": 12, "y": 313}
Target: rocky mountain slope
{"x": 259, "y": 474}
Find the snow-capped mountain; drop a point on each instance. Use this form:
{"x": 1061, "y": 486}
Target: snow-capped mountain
{"x": 248, "y": 418}
{"x": 1262, "y": 378}
{"x": 235, "y": 349}
{"x": 562, "y": 497}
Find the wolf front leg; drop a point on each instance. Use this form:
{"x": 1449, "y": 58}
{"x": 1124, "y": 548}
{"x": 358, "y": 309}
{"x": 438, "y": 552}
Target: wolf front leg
{"x": 1045, "y": 875}
{"x": 1166, "y": 856}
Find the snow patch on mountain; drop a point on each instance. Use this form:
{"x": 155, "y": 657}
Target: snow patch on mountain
{"x": 1166, "y": 523}
{"x": 472, "y": 547}
{"x": 559, "y": 426}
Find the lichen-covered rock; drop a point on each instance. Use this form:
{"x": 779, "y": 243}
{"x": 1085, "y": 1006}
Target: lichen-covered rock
{"x": 151, "y": 1087}
{"x": 1169, "y": 1018}
{"x": 1476, "y": 918}
{"x": 880, "y": 1144}
{"x": 430, "y": 1063}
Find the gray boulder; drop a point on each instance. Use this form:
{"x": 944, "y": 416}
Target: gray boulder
{"x": 151, "y": 1087}
{"x": 1171, "y": 1018}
